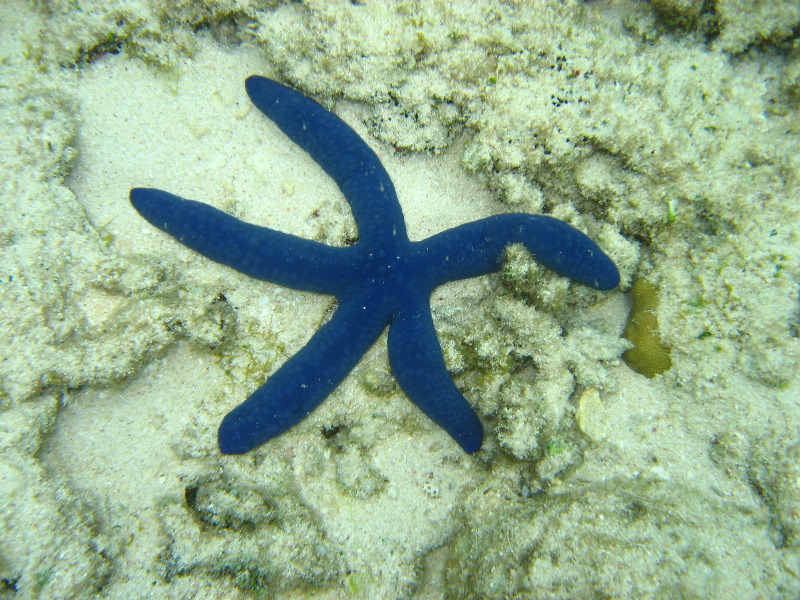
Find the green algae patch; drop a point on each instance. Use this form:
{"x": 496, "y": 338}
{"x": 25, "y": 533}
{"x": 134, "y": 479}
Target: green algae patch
{"x": 648, "y": 356}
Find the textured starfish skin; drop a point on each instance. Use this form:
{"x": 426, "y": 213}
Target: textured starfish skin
{"x": 383, "y": 279}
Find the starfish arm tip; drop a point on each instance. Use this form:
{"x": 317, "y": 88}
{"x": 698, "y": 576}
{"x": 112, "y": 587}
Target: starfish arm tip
{"x": 303, "y": 381}
{"x": 339, "y": 150}
{"x": 418, "y": 365}
{"x": 478, "y": 247}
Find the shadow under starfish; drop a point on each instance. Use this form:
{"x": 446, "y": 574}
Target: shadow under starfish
{"x": 383, "y": 279}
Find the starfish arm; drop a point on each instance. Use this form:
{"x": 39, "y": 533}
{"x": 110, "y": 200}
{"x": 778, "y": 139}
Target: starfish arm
{"x": 477, "y": 248}
{"x": 341, "y": 153}
{"x": 256, "y": 251}
{"x": 304, "y": 380}
{"x": 418, "y": 365}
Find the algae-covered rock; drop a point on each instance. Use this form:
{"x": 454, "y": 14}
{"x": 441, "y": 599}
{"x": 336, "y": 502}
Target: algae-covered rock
{"x": 515, "y": 370}
{"x": 53, "y": 545}
{"x": 774, "y": 471}
{"x": 747, "y": 22}
{"x": 770, "y": 465}
{"x": 618, "y": 539}
{"x": 378, "y": 381}
{"x": 355, "y": 472}
{"x": 261, "y": 536}
{"x": 680, "y": 12}
{"x": 649, "y": 357}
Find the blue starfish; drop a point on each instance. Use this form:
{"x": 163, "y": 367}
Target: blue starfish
{"x": 383, "y": 279}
